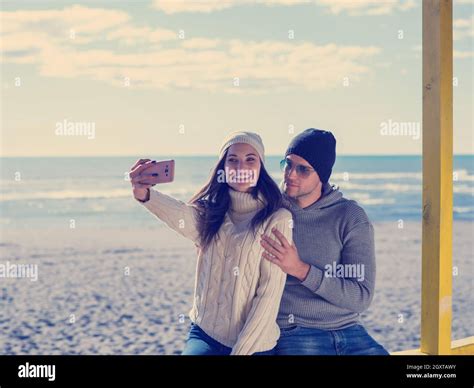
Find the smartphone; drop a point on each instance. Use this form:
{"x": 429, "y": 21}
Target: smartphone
{"x": 164, "y": 170}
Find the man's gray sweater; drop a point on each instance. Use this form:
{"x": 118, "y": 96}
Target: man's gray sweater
{"x": 334, "y": 236}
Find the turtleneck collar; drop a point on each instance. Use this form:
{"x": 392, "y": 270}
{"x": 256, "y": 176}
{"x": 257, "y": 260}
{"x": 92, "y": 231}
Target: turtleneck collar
{"x": 242, "y": 202}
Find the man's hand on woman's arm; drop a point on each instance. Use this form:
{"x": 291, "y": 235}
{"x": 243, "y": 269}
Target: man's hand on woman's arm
{"x": 285, "y": 255}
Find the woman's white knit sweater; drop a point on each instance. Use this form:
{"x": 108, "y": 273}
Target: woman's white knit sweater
{"x": 237, "y": 292}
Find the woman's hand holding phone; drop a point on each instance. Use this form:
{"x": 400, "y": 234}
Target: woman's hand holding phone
{"x": 146, "y": 173}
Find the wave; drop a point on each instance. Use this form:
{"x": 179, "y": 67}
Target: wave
{"x": 458, "y": 176}
{"x": 375, "y": 201}
{"x": 385, "y": 181}
{"x": 463, "y": 209}
{"x": 87, "y": 194}
{"x": 376, "y": 175}
{"x": 185, "y": 193}
{"x": 400, "y": 188}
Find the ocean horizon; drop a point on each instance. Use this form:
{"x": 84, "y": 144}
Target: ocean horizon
{"x": 95, "y": 190}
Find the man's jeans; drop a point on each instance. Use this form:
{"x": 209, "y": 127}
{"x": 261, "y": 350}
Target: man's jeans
{"x": 353, "y": 340}
{"x": 200, "y": 344}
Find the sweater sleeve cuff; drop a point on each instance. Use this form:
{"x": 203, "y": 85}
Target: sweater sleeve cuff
{"x": 146, "y": 199}
{"x": 313, "y": 279}
{"x": 159, "y": 204}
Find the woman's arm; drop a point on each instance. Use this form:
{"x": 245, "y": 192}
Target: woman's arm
{"x": 265, "y": 305}
{"x": 179, "y": 216}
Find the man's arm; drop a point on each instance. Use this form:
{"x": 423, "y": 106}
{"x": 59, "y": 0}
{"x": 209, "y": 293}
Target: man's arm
{"x": 358, "y": 254}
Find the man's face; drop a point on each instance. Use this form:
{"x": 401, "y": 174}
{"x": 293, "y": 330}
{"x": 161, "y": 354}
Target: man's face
{"x": 300, "y": 178}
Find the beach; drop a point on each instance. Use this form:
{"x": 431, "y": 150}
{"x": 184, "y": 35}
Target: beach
{"x": 128, "y": 291}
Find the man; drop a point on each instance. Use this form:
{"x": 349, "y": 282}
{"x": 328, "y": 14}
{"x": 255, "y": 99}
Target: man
{"x": 331, "y": 265}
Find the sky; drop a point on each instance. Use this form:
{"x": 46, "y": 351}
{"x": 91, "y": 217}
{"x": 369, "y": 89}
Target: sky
{"x": 173, "y": 77}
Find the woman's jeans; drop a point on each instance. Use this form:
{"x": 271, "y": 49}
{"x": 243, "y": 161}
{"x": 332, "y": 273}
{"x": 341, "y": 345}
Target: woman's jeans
{"x": 351, "y": 341}
{"x": 200, "y": 344}
{"x": 297, "y": 340}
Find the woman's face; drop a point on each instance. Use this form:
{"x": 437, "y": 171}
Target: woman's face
{"x": 242, "y": 167}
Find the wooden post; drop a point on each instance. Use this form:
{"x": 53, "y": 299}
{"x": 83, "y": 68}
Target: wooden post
{"x": 436, "y": 290}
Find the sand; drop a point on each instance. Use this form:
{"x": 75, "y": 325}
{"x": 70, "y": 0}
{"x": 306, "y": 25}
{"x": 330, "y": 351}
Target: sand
{"x": 128, "y": 291}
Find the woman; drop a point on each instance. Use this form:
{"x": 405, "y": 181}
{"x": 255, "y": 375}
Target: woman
{"x": 237, "y": 293}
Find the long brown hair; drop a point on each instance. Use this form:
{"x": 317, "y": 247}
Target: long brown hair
{"x": 213, "y": 201}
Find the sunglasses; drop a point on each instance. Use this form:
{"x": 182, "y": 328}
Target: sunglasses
{"x": 302, "y": 171}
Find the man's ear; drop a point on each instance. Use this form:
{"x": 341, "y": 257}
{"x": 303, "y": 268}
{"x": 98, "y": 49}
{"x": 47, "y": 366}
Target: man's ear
{"x": 320, "y": 186}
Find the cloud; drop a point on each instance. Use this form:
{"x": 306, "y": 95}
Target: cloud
{"x": 457, "y": 54}
{"x": 156, "y": 58}
{"x": 355, "y": 7}
{"x": 206, "y": 6}
{"x": 200, "y": 43}
{"x": 131, "y": 35}
{"x": 463, "y": 28}
{"x": 366, "y": 7}
{"x": 463, "y": 54}
{"x": 78, "y": 18}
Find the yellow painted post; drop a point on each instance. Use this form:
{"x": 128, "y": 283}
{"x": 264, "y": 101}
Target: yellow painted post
{"x": 436, "y": 297}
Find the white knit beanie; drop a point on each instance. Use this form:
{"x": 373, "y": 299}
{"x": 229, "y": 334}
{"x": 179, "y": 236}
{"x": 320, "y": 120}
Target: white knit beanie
{"x": 244, "y": 137}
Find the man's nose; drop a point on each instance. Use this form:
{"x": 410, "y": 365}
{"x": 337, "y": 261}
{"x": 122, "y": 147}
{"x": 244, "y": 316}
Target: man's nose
{"x": 292, "y": 173}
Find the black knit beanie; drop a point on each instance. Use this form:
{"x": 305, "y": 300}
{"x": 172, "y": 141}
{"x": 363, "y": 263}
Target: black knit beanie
{"x": 318, "y": 148}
